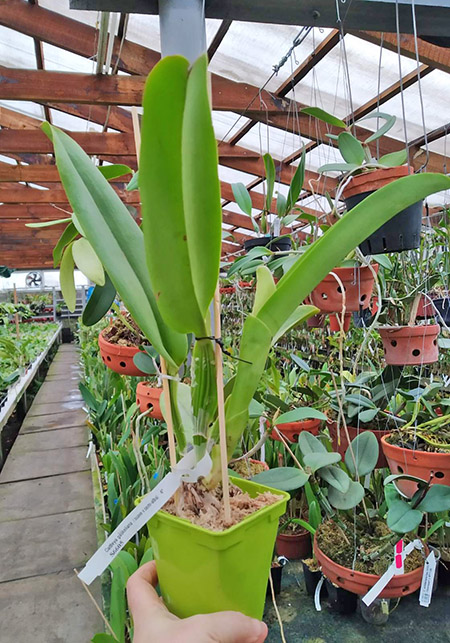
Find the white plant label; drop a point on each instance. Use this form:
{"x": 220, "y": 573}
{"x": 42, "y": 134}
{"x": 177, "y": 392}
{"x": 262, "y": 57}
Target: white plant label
{"x": 317, "y": 604}
{"x": 185, "y": 471}
{"x": 381, "y": 583}
{"x": 426, "y": 588}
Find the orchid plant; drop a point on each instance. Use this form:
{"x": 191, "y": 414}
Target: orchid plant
{"x": 167, "y": 273}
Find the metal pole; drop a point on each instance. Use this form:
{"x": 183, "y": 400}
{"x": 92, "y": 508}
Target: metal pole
{"x": 182, "y": 28}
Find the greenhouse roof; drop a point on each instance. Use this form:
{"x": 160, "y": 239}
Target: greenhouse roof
{"x": 50, "y": 58}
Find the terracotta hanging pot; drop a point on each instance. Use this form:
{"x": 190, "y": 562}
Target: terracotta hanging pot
{"x": 291, "y": 430}
{"x": 341, "y": 445}
{"x": 358, "y": 285}
{"x": 148, "y": 397}
{"x": 316, "y": 321}
{"x": 410, "y": 345}
{"x": 118, "y": 358}
{"x": 335, "y": 322}
{"x": 294, "y": 546}
{"x": 360, "y": 582}
{"x": 421, "y": 464}
{"x": 402, "y": 232}
{"x": 438, "y": 309}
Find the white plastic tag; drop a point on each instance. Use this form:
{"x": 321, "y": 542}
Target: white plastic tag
{"x": 426, "y": 588}
{"x": 150, "y": 504}
{"x": 381, "y": 583}
{"x": 317, "y": 604}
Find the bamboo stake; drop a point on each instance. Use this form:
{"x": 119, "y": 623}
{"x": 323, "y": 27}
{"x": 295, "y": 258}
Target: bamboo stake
{"x": 165, "y": 381}
{"x": 221, "y": 409}
{"x": 16, "y": 315}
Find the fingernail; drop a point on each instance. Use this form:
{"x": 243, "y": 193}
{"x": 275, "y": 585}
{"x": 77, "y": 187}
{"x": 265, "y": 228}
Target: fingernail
{"x": 261, "y": 629}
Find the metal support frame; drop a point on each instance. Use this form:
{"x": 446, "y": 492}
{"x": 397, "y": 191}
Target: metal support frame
{"x": 182, "y": 28}
{"x": 432, "y": 16}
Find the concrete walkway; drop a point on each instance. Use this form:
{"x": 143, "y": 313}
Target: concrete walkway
{"x": 47, "y": 524}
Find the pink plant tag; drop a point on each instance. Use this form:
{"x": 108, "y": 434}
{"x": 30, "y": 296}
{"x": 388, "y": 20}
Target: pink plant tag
{"x": 399, "y": 558}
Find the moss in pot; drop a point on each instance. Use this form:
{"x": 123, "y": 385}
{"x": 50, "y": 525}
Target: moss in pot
{"x": 167, "y": 276}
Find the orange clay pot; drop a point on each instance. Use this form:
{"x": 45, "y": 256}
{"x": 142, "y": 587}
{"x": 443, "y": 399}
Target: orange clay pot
{"x": 360, "y": 583}
{"x": 342, "y": 446}
{"x": 410, "y": 345}
{"x": 294, "y": 546}
{"x": 264, "y": 464}
{"x": 420, "y": 464}
{"x": 335, "y": 325}
{"x": 291, "y": 430}
{"x": 358, "y": 284}
{"x": 147, "y": 396}
{"x": 375, "y": 179}
{"x": 118, "y": 358}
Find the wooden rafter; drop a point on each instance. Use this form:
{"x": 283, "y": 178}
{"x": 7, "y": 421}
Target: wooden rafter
{"x": 436, "y": 57}
{"x": 136, "y": 59}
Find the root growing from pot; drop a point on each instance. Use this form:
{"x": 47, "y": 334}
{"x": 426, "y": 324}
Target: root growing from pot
{"x": 204, "y": 507}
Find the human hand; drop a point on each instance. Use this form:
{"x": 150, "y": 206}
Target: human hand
{"x": 153, "y": 623}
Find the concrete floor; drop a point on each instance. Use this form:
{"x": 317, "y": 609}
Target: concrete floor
{"x": 408, "y": 623}
{"x": 47, "y": 524}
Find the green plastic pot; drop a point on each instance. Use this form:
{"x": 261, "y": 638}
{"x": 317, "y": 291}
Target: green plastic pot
{"x": 203, "y": 571}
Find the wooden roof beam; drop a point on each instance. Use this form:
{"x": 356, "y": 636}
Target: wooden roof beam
{"x": 432, "y": 55}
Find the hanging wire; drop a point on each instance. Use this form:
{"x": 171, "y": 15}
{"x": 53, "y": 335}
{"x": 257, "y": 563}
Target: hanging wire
{"x": 422, "y": 109}
{"x": 301, "y": 36}
{"x": 399, "y": 58}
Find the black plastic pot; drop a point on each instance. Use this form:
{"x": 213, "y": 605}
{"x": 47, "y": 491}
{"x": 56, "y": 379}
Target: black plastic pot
{"x": 444, "y": 572}
{"x": 280, "y": 244}
{"x": 340, "y": 600}
{"x": 276, "y": 573}
{"x": 363, "y": 318}
{"x": 442, "y": 306}
{"x": 402, "y": 232}
{"x": 311, "y": 580}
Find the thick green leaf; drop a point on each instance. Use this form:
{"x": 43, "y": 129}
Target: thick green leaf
{"x": 308, "y": 443}
{"x": 389, "y": 124}
{"x": 200, "y": 177}
{"x": 337, "y": 167}
{"x": 314, "y": 515}
{"x": 265, "y": 287}
{"x": 67, "y": 236}
{"x": 335, "y": 477}
{"x": 401, "y": 518}
{"x": 269, "y": 166}
{"x": 301, "y": 413}
{"x": 437, "y": 499}
{"x": 114, "y": 171}
{"x": 368, "y": 415}
{"x": 394, "y": 159}
{"x": 66, "y": 279}
{"x": 366, "y": 451}
{"x": 304, "y": 524}
{"x": 300, "y": 315}
{"x": 324, "y": 116}
{"x": 134, "y": 183}
{"x": 296, "y": 183}
{"x": 87, "y": 261}
{"x": 281, "y": 204}
{"x": 161, "y": 187}
{"x": 88, "y": 397}
{"x": 144, "y": 363}
{"x": 118, "y": 611}
{"x": 117, "y": 241}
{"x": 101, "y": 637}
{"x": 243, "y": 198}
{"x": 282, "y": 478}
{"x": 99, "y": 302}
{"x": 318, "y": 460}
{"x": 347, "y": 500}
{"x": 351, "y": 149}
{"x": 390, "y": 494}
{"x": 46, "y": 224}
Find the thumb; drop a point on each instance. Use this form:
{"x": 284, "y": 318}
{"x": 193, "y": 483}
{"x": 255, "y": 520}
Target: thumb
{"x": 232, "y": 627}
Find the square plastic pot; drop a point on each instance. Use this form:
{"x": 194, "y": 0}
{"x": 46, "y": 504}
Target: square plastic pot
{"x": 203, "y": 571}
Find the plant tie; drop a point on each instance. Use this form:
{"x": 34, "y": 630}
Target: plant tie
{"x": 219, "y": 341}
